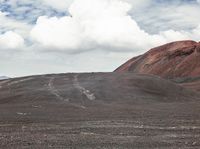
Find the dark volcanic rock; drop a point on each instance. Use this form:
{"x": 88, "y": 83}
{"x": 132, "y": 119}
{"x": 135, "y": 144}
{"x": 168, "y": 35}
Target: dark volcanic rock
{"x": 98, "y": 110}
{"x": 173, "y": 60}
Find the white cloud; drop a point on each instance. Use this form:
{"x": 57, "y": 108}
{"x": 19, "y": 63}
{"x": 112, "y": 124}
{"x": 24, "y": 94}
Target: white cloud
{"x": 57, "y": 32}
{"x": 165, "y": 16}
{"x": 195, "y": 33}
{"x": 11, "y": 40}
{"x": 58, "y": 4}
{"x": 63, "y": 5}
{"x": 11, "y": 24}
{"x": 138, "y": 4}
{"x": 97, "y": 24}
{"x": 112, "y": 30}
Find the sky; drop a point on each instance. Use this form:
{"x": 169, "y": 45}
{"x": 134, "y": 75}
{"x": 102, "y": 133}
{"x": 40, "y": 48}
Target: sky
{"x": 61, "y": 36}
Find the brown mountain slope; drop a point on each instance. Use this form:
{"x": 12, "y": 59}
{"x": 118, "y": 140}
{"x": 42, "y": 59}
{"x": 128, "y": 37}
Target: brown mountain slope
{"x": 179, "y": 61}
{"x": 173, "y": 60}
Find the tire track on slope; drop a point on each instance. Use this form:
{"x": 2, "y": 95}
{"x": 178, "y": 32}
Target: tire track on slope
{"x": 56, "y": 93}
{"x": 90, "y": 96}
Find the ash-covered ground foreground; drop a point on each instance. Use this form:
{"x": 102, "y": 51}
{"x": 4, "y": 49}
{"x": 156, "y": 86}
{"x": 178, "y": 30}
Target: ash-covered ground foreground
{"x": 98, "y": 110}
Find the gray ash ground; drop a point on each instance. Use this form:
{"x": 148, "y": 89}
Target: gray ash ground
{"x": 98, "y": 110}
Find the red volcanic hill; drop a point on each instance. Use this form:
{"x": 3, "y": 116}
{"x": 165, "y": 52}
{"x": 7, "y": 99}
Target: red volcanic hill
{"x": 172, "y": 60}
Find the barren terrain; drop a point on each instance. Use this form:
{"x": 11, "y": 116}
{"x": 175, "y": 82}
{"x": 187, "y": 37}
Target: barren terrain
{"x": 98, "y": 110}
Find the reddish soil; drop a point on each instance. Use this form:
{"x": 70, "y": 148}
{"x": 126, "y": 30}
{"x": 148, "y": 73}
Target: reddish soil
{"x": 176, "y": 59}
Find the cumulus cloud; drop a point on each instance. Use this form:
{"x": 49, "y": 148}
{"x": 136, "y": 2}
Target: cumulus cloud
{"x": 103, "y": 24}
{"x": 97, "y": 24}
{"x": 61, "y": 33}
{"x": 95, "y": 35}
{"x": 11, "y": 40}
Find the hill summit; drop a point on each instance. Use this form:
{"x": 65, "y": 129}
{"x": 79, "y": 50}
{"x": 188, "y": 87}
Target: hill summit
{"x": 172, "y": 60}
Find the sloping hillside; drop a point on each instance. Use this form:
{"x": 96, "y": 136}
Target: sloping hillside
{"x": 97, "y": 110}
{"x": 176, "y": 59}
